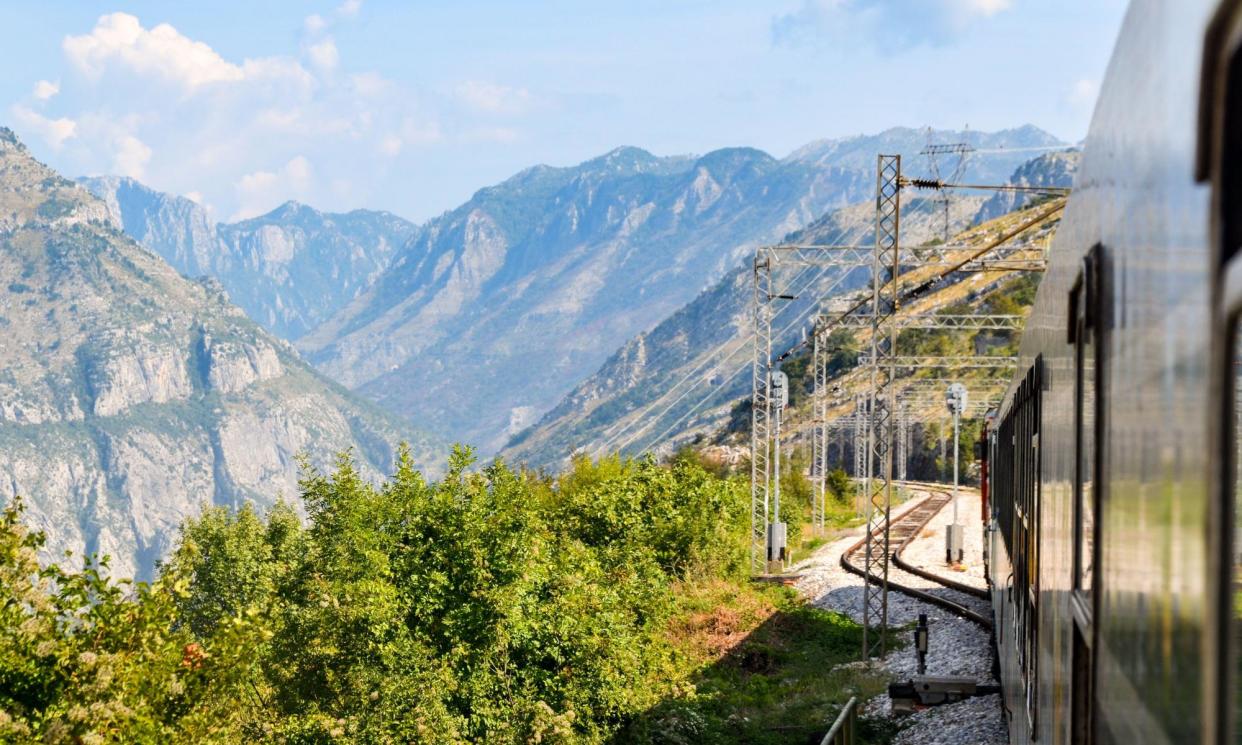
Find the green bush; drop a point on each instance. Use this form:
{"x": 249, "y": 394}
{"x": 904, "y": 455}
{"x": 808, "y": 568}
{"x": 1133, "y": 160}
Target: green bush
{"x": 490, "y": 606}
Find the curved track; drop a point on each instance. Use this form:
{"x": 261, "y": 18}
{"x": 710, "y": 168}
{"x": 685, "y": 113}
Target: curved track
{"x": 901, "y": 532}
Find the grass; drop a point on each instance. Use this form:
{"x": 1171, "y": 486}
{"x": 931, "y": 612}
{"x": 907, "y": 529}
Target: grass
{"x": 763, "y": 664}
{"x": 768, "y": 667}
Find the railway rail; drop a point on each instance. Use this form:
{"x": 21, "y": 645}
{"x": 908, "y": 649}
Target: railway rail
{"x": 902, "y": 531}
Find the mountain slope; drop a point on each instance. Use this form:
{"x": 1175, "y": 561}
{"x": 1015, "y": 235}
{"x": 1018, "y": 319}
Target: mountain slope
{"x": 499, "y": 307}
{"x": 290, "y": 269}
{"x": 683, "y": 375}
{"x": 677, "y": 377}
{"x": 506, "y": 301}
{"x": 131, "y": 396}
{"x": 998, "y": 153}
{"x": 1051, "y": 169}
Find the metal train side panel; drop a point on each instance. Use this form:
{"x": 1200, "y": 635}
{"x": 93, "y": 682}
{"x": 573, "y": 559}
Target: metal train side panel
{"x": 1135, "y": 197}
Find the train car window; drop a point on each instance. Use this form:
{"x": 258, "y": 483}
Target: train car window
{"x": 1220, "y": 156}
{"x": 1087, "y": 311}
{"x": 1234, "y": 589}
{"x": 1087, "y": 307}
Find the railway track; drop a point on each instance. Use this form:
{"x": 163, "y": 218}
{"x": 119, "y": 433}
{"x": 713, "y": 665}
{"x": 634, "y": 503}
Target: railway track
{"x": 901, "y": 532}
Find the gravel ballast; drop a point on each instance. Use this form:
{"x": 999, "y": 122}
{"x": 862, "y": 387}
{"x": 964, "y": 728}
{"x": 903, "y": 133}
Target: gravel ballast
{"x": 956, "y": 646}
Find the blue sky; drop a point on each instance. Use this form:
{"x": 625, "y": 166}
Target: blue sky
{"x": 412, "y": 106}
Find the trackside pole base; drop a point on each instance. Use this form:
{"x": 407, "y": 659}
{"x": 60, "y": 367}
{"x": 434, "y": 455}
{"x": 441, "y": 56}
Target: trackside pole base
{"x": 953, "y": 543}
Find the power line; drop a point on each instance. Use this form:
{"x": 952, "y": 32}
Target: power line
{"x": 739, "y": 371}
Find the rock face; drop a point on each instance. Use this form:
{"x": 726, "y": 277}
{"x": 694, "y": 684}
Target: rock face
{"x": 131, "y": 396}
{"x": 1050, "y": 169}
{"x": 290, "y": 269}
{"x": 498, "y": 308}
{"x": 683, "y": 375}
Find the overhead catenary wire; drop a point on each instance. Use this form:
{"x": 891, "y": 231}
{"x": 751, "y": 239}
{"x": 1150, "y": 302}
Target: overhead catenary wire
{"x": 923, "y": 286}
{"x": 696, "y": 370}
{"x": 719, "y": 349}
{"x": 801, "y": 318}
{"x": 1039, "y": 218}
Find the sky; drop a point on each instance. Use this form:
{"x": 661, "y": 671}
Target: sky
{"x": 411, "y": 107}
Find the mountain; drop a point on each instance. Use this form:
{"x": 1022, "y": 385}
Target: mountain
{"x": 684, "y": 374}
{"x": 131, "y": 396}
{"x": 995, "y": 154}
{"x": 1051, "y": 169}
{"x": 499, "y": 307}
{"x": 290, "y": 269}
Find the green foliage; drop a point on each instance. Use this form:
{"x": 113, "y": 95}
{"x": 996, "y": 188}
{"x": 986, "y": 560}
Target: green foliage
{"x": 839, "y": 485}
{"x": 87, "y": 660}
{"x": 492, "y": 606}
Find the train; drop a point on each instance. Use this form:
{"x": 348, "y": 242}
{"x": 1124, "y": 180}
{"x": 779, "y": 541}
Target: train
{"x": 1112, "y": 531}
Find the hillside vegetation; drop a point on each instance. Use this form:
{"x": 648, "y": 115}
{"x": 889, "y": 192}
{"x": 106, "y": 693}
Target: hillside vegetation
{"x": 490, "y": 606}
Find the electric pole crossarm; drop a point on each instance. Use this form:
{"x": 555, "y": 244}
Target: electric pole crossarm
{"x": 937, "y": 321}
{"x": 956, "y": 363}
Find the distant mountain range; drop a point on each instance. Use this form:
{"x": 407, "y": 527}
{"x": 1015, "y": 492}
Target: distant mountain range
{"x": 290, "y": 269}
{"x": 130, "y": 396}
{"x": 682, "y": 376}
{"x": 475, "y": 324}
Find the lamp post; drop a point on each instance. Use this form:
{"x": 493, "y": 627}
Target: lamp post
{"x": 955, "y": 399}
{"x": 776, "y": 529}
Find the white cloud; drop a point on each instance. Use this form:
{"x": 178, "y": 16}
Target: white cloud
{"x": 492, "y": 98}
{"x": 324, "y": 54}
{"x": 370, "y": 84}
{"x": 53, "y": 131}
{"x": 158, "y": 52}
{"x": 1083, "y": 93}
{"x": 163, "y": 53}
{"x": 349, "y": 8}
{"x": 390, "y": 145}
{"x": 260, "y": 191}
{"x": 314, "y": 23}
{"x": 891, "y": 26}
{"x": 491, "y": 134}
{"x": 194, "y": 196}
{"x": 131, "y": 157}
{"x": 983, "y": 7}
{"x": 45, "y": 89}
{"x": 245, "y": 129}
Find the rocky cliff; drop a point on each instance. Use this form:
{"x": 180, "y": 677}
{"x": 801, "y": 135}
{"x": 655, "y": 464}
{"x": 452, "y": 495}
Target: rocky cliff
{"x": 499, "y": 308}
{"x": 290, "y": 269}
{"x": 1051, "y": 169}
{"x": 131, "y": 396}
{"x": 683, "y": 375}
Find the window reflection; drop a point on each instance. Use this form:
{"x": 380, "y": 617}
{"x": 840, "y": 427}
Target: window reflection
{"x": 1086, "y": 456}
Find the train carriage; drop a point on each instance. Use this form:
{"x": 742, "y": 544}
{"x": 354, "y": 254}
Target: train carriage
{"x": 1113, "y": 484}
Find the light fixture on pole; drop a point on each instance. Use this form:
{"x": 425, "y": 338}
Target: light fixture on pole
{"x": 955, "y": 399}
{"x": 779, "y": 388}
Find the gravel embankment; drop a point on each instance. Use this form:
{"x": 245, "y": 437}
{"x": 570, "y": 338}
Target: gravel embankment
{"x": 956, "y": 646}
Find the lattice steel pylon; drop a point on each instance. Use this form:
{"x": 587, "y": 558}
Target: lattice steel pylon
{"x": 878, "y": 483}
{"x": 903, "y": 439}
{"x": 933, "y": 152}
{"x": 819, "y": 435}
{"x": 761, "y": 412}
{"x": 860, "y": 437}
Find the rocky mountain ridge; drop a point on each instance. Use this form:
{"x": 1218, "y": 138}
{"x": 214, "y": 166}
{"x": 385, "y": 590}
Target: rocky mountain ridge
{"x": 289, "y": 269}
{"x": 131, "y": 396}
{"x": 683, "y": 375}
{"x": 498, "y": 308}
